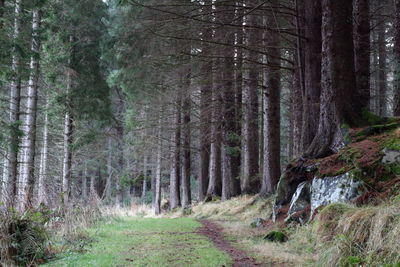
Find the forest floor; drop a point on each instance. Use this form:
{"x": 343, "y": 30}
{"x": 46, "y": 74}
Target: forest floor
{"x": 130, "y": 241}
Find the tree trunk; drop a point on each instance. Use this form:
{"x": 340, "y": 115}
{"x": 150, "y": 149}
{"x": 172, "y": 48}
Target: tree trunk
{"x": 312, "y": 70}
{"x": 272, "y": 138}
{"x": 145, "y": 166}
{"x": 157, "y": 201}
{"x": 251, "y": 179}
{"x": 42, "y": 196}
{"x": 230, "y": 172}
{"x": 27, "y": 181}
{"x": 339, "y": 97}
{"x": 2, "y": 5}
{"x": 11, "y": 160}
{"x": 120, "y": 150}
{"x": 186, "y": 163}
{"x": 382, "y": 73}
{"x": 205, "y": 98}
{"x": 175, "y": 178}
{"x": 362, "y": 50}
{"x": 68, "y": 132}
{"x": 153, "y": 180}
{"x": 297, "y": 110}
{"x": 215, "y": 181}
{"x": 109, "y": 179}
{"x": 396, "y": 50}
{"x": 236, "y": 158}
{"x": 84, "y": 184}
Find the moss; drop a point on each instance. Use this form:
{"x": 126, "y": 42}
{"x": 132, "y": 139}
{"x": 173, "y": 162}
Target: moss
{"x": 350, "y": 155}
{"x": 393, "y": 169}
{"x": 378, "y": 129}
{"x": 392, "y": 143}
{"x": 370, "y": 118}
{"x": 351, "y": 261}
{"x": 276, "y": 236}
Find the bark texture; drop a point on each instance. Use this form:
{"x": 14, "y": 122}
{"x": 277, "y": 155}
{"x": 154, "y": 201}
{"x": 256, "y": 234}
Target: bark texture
{"x": 27, "y": 179}
{"x": 205, "y": 107}
{"x": 362, "y": 50}
{"x": 382, "y": 53}
{"x": 272, "y": 144}
{"x": 215, "y": 181}
{"x": 229, "y": 151}
{"x": 175, "y": 179}
{"x": 396, "y": 50}
{"x": 42, "y": 197}
{"x": 186, "y": 132}
{"x": 312, "y": 70}
{"x": 11, "y": 160}
{"x": 250, "y": 178}
{"x": 339, "y": 97}
{"x": 68, "y": 131}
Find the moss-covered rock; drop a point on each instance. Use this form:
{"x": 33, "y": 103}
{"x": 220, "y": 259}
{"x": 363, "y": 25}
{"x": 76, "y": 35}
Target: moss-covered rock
{"x": 276, "y": 236}
{"x": 378, "y": 129}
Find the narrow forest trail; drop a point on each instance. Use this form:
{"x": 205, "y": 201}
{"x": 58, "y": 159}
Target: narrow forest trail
{"x": 214, "y": 233}
{"x": 156, "y": 242}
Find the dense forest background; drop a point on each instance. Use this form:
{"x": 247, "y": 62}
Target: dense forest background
{"x": 183, "y": 100}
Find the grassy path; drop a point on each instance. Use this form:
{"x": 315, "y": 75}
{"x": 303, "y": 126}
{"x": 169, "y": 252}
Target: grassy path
{"x": 147, "y": 242}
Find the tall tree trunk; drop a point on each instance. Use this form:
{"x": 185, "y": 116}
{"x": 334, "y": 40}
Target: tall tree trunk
{"x": 42, "y": 196}
{"x": 297, "y": 110}
{"x": 68, "y": 134}
{"x": 175, "y": 179}
{"x": 382, "y": 73}
{"x": 362, "y": 50}
{"x": 238, "y": 105}
{"x": 215, "y": 182}
{"x": 339, "y": 97}
{"x": 272, "y": 138}
{"x": 396, "y": 50}
{"x": 2, "y": 6}
{"x": 157, "y": 201}
{"x": 109, "y": 179}
{"x": 11, "y": 160}
{"x": 186, "y": 160}
{"x": 251, "y": 179}
{"x": 27, "y": 181}
{"x": 205, "y": 98}
{"x": 120, "y": 149}
{"x": 312, "y": 70}
{"x": 145, "y": 166}
{"x": 84, "y": 184}
{"x": 375, "y": 78}
{"x": 230, "y": 172}
{"x": 153, "y": 179}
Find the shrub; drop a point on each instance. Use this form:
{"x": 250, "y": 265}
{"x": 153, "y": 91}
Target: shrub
{"x": 24, "y": 238}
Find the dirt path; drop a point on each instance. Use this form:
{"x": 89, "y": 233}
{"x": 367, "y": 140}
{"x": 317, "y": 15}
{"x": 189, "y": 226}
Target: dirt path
{"x": 214, "y": 233}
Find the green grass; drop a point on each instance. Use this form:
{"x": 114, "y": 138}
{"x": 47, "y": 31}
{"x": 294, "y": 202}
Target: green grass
{"x": 146, "y": 242}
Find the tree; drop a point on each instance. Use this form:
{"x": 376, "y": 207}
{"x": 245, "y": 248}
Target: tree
{"x": 251, "y": 179}
{"x": 312, "y": 44}
{"x": 205, "y": 98}
{"x": 175, "y": 179}
{"x": 27, "y": 179}
{"x": 382, "y": 58}
{"x": 339, "y": 97}
{"x": 396, "y": 50}
{"x": 68, "y": 129}
{"x": 362, "y": 49}
{"x": 272, "y": 144}
{"x": 229, "y": 151}
{"x": 11, "y": 160}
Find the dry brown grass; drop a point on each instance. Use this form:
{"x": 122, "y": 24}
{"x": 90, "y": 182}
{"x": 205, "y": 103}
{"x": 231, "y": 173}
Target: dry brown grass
{"x": 367, "y": 235}
{"x": 236, "y": 215}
